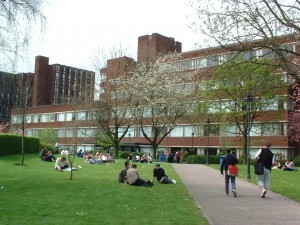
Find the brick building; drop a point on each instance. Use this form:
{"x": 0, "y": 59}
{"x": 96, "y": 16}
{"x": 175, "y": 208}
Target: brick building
{"x": 194, "y": 137}
{"x": 56, "y": 86}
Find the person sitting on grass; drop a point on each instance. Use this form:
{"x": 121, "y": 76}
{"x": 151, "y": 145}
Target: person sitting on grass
{"x": 160, "y": 175}
{"x": 289, "y": 166}
{"x": 61, "y": 163}
{"x": 123, "y": 172}
{"x": 133, "y": 177}
{"x": 46, "y": 155}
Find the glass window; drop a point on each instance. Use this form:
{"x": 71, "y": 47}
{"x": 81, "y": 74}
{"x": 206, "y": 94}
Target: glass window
{"x": 29, "y": 118}
{"x": 212, "y": 61}
{"x": 69, "y": 116}
{"x": 60, "y": 132}
{"x": 69, "y": 133}
{"x": 82, "y": 115}
{"x": 52, "y": 117}
{"x": 228, "y": 130}
{"x": 255, "y": 130}
{"x": 91, "y": 132}
{"x": 148, "y": 131}
{"x": 36, "y": 118}
{"x": 61, "y": 117}
{"x": 81, "y": 132}
{"x": 188, "y": 130}
{"x": 44, "y": 118}
{"x": 177, "y": 132}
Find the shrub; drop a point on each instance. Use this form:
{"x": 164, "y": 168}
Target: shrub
{"x": 12, "y": 144}
{"x": 123, "y": 154}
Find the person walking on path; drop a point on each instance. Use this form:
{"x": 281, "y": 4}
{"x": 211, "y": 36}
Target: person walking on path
{"x": 266, "y": 157}
{"x": 229, "y": 159}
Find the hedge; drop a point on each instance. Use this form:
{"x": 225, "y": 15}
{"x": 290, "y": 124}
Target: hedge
{"x": 12, "y": 144}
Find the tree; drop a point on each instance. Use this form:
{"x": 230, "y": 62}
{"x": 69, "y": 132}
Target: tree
{"x": 17, "y": 19}
{"x": 223, "y": 96}
{"x": 23, "y": 98}
{"x": 4, "y": 127}
{"x": 48, "y": 136}
{"x": 110, "y": 108}
{"x": 237, "y": 25}
{"x": 294, "y": 115}
{"x": 160, "y": 97}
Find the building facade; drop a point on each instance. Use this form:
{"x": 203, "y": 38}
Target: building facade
{"x": 57, "y": 89}
{"x": 59, "y": 84}
{"x": 195, "y": 135}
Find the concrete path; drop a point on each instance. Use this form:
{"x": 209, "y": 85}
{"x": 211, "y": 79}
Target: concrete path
{"x": 207, "y": 187}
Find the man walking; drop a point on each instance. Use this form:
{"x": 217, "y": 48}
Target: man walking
{"x": 266, "y": 157}
{"x": 229, "y": 159}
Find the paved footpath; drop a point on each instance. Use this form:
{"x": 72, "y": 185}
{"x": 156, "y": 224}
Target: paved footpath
{"x": 207, "y": 187}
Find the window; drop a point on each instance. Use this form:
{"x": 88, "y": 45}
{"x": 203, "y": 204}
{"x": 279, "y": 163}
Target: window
{"x": 188, "y": 130}
{"x": 60, "y": 132}
{"x": 69, "y": 133}
{"x": 271, "y": 129}
{"x": 201, "y": 63}
{"x": 212, "y": 61}
{"x": 44, "y": 118}
{"x": 90, "y": 132}
{"x": 177, "y": 132}
{"x": 82, "y": 115}
{"x": 61, "y": 117}
{"x": 81, "y": 132}
{"x": 36, "y": 119}
{"x": 255, "y": 130}
{"x": 69, "y": 116}
{"x": 52, "y": 117}
{"x": 148, "y": 131}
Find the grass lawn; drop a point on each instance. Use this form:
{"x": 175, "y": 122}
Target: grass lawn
{"x": 38, "y": 194}
{"x": 286, "y": 183}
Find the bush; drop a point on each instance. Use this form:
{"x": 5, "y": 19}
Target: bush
{"x": 48, "y": 146}
{"x": 12, "y": 144}
{"x": 123, "y": 154}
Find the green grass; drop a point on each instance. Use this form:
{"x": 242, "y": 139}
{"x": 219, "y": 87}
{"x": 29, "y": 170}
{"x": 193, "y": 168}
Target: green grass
{"x": 38, "y": 194}
{"x": 285, "y": 183}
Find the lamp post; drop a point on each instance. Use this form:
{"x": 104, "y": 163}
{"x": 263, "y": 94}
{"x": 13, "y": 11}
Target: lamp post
{"x": 129, "y": 135}
{"x": 193, "y": 141}
{"x": 249, "y": 99}
{"x": 208, "y": 131}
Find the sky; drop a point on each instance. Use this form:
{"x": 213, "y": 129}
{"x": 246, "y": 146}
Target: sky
{"x": 76, "y": 28}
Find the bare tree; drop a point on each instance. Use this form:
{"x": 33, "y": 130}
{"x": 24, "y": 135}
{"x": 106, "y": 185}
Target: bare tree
{"x": 242, "y": 25}
{"x": 23, "y": 97}
{"x": 160, "y": 97}
{"x": 17, "y": 18}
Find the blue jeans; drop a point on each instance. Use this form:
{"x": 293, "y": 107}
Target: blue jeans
{"x": 227, "y": 183}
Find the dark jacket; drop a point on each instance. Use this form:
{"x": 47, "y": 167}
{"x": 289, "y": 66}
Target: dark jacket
{"x": 159, "y": 173}
{"x": 266, "y": 157}
{"x": 229, "y": 159}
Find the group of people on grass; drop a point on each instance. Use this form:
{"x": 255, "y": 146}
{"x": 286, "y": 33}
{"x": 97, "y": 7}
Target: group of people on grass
{"x": 145, "y": 158}
{"x": 288, "y": 166}
{"x": 99, "y": 158}
{"x": 130, "y": 175}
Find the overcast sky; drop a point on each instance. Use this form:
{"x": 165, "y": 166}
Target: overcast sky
{"x": 75, "y": 28}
